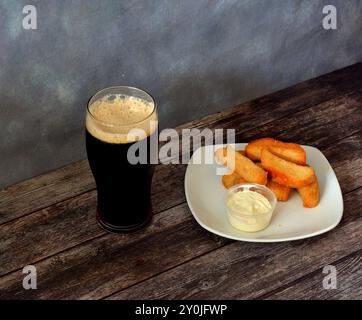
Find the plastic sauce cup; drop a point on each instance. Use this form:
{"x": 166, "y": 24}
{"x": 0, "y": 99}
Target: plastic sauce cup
{"x": 251, "y": 222}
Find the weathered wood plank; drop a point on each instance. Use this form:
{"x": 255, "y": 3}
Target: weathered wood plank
{"x": 82, "y": 216}
{"x": 75, "y": 179}
{"x": 109, "y": 263}
{"x": 313, "y": 119}
{"x": 167, "y": 187}
{"x": 317, "y": 126}
{"x": 47, "y": 189}
{"x": 345, "y": 157}
{"x": 48, "y": 231}
{"x": 248, "y": 270}
{"x": 349, "y": 283}
{"x": 72, "y": 222}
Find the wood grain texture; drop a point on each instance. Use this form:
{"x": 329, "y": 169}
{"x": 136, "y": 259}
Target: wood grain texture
{"x": 70, "y": 181}
{"x": 345, "y": 157}
{"x": 312, "y": 125}
{"x": 83, "y": 217}
{"x": 26, "y": 243}
{"x": 248, "y": 270}
{"x": 49, "y": 220}
{"x": 71, "y": 222}
{"x": 308, "y": 120}
{"x": 112, "y": 262}
{"x": 42, "y": 191}
{"x": 318, "y": 126}
{"x": 349, "y": 279}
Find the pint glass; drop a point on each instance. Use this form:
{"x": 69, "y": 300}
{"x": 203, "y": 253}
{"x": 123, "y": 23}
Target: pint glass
{"x": 117, "y": 119}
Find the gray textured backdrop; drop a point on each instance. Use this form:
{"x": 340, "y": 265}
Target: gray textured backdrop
{"x": 194, "y": 56}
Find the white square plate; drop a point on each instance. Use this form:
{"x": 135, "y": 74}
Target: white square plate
{"x": 291, "y": 221}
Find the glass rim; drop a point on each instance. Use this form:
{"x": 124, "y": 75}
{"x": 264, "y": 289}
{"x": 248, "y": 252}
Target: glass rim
{"x": 107, "y": 124}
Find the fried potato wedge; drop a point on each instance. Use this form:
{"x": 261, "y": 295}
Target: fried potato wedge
{"x": 281, "y": 192}
{"x": 310, "y": 194}
{"x": 242, "y": 165}
{"x": 268, "y": 173}
{"x": 296, "y": 155}
{"x": 242, "y": 152}
{"x": 285, "y": 172}
{"x": 231, "y": 179}
{"x": 288, "y": 151}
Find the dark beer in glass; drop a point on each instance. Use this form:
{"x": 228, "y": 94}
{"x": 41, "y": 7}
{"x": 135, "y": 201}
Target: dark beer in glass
{"x": 117, "y": 119}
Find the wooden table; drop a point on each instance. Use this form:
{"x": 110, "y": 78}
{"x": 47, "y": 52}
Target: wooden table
{"x": 49, "y": 221}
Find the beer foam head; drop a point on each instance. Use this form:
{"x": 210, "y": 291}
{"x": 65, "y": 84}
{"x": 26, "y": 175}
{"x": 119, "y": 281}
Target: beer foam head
{"x": 119, "y": 118}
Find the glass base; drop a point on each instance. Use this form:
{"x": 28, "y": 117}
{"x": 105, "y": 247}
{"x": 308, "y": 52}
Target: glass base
{"x": 122, "y": 229}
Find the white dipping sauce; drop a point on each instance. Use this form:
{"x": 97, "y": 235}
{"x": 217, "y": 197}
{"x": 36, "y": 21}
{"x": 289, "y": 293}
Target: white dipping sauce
{"x": 249, "y": 210}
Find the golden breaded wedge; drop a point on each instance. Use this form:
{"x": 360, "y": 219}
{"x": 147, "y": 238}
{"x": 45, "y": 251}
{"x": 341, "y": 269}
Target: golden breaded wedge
{"x": 243, "y": 166}
{"x": 242, "y": 152}
{"x": 296, "y": 155}
{"x": 268, "y": 173}
{"x": 285, "y": 172}
{"x": 288, "y": 151}
{"x": 231, "y": 179}
{"x": 310, "y": 194}
{"x": 280, "y": 191}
